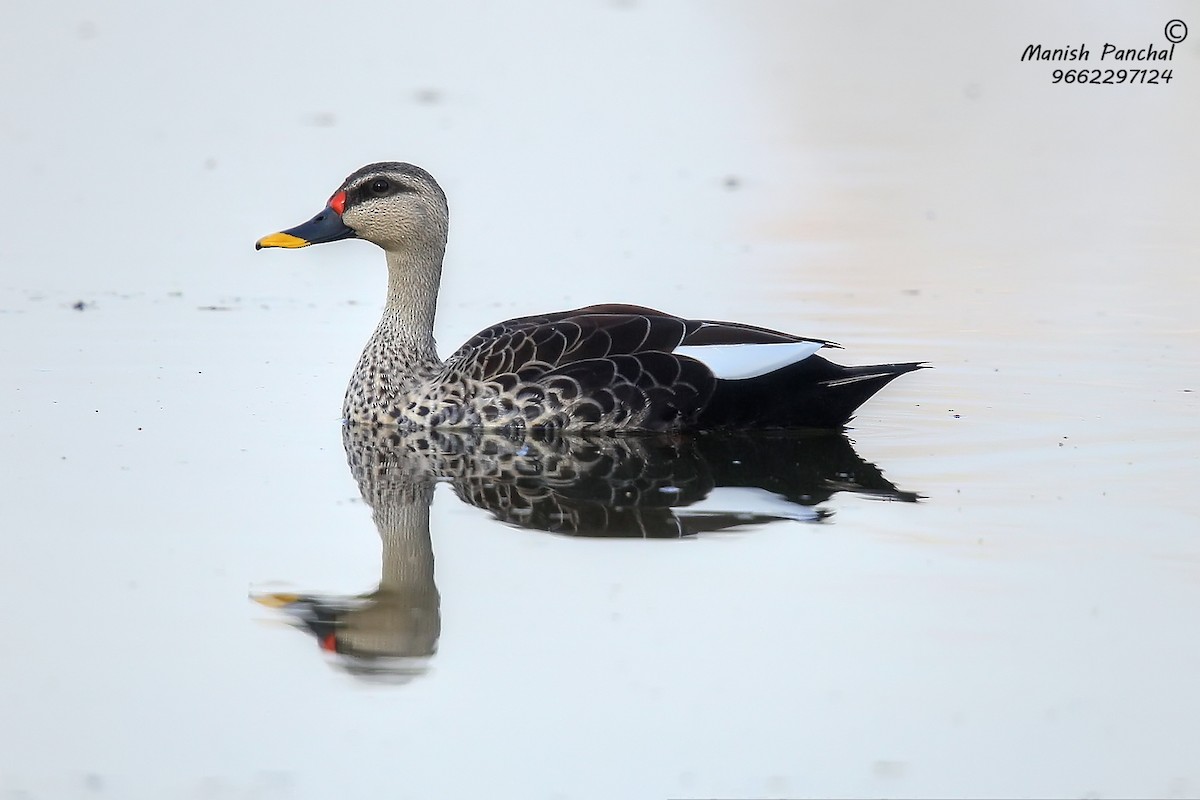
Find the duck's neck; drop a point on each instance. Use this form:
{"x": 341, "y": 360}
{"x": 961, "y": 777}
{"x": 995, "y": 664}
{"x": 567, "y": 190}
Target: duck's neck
{"x": 406, "y": 328}
{"x": 401, "y": 354}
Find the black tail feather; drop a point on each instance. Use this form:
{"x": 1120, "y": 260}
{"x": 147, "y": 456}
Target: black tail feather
{"x": 813, "y": 393}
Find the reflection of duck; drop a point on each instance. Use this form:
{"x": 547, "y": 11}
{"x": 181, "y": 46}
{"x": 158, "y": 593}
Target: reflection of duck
{"x": 389, "y": 632}
{"x": 630, "y": 486}
{"x": 605, "y": 367}
{"x": 644, "y": 486}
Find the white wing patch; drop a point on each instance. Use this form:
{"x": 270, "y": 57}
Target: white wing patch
{"x": 734, "y": 362}
{"x": 748, "y": 501}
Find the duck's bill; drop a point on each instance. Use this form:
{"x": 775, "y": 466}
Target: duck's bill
{"x": 276, "y": 600}
{"x": 324, "y": 227}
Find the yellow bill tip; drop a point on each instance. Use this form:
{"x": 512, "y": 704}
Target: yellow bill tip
{"x": 279, "y": 600}
{"x": 281, "y": 240}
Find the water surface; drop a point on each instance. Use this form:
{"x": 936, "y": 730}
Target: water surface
{"x": 892, "y": 178}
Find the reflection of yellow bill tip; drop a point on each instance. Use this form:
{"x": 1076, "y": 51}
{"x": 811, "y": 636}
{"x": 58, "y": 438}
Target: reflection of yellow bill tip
{"x": 280, "y": 240}
{"x": 281, "y": 600}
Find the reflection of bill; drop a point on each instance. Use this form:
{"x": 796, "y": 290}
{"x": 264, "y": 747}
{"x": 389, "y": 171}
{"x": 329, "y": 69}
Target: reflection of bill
{"x": 668, "y": 486}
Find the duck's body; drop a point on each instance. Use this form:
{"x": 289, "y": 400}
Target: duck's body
{"x": 599, "y": 368}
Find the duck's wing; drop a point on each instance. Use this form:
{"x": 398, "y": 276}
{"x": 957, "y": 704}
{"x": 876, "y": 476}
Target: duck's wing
{"x": 730, "y": 349}
{"x": 601, "y": 365}
{"x": 530, "y": 345}
{"x": 615, "y": 363}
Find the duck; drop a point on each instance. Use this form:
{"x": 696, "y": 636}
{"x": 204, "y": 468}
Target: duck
{"x": 608, "y": 368}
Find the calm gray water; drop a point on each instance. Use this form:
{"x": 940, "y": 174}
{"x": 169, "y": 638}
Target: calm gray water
{"x": 889, "y": 177}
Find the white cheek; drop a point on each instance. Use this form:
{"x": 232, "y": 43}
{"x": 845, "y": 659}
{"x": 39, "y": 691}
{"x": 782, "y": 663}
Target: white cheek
{"x": 739, "y": 361}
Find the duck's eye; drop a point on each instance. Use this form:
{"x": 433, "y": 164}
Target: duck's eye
{"x": 380, "y": 186}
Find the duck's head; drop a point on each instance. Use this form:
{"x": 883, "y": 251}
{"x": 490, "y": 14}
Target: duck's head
{"x": 394, "y": 205}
